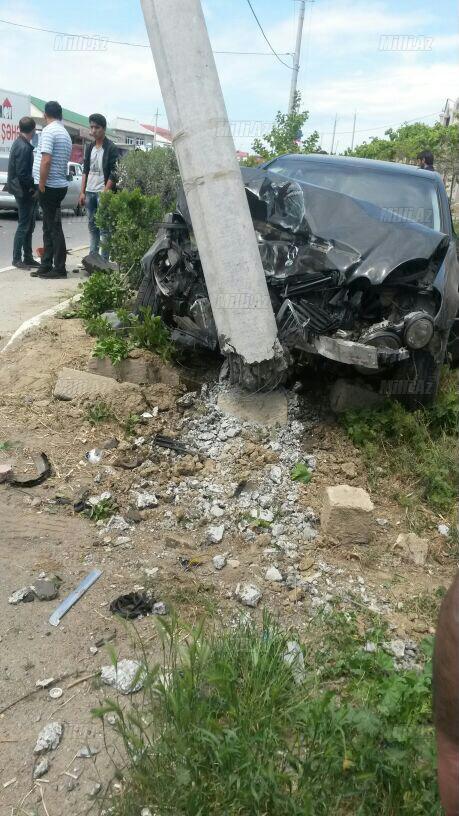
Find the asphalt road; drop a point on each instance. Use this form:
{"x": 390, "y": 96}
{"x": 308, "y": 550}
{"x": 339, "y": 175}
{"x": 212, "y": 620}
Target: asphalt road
{"x": 23, "y": 297}
{"x": 75, "y": 231}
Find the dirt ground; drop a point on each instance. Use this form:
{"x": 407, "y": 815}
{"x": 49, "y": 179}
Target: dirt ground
{"x": 42, "y": 533}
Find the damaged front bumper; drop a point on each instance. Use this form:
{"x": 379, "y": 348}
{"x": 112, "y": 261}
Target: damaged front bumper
{"x": 353, "y": 353}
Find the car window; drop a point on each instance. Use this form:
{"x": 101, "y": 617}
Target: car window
{"x": 403, "y": 196}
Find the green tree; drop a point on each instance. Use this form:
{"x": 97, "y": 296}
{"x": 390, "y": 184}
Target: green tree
{"x": 283, "y": 138}
{"x": 407, "y": 141}
{"x": 154, "y": 172}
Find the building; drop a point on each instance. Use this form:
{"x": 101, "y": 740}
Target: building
{"x": 133, "y": 134}
{"x": 450, "y": 113}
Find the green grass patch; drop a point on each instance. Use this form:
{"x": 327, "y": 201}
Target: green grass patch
{"x": 229, "y": 731}
{"x": 99, "y": 412}
{"x": 103, "y": 510}
{"x": 420, "y": 446}
{"x": 301, "y": 473}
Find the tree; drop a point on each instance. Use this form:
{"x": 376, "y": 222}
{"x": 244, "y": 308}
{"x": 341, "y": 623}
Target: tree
{"x": 407, "y": 141}
{"x": 154, "y": 172}
{"x": 286, "y": 135}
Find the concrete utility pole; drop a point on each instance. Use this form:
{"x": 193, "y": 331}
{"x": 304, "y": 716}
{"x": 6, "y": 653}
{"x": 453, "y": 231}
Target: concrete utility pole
{"x": 334, "y": 134}
{"x": 296, "y": 59}
{"x": 353, "y": 130}
{"x": 156, "y": 127}
{"x": 213, "y": 185}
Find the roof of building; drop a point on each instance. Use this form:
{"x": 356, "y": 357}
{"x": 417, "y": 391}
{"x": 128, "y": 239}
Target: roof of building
{"x": 162, "y": 132}
{"x": 128, "y": 125}
{"x": 67, "y": 115}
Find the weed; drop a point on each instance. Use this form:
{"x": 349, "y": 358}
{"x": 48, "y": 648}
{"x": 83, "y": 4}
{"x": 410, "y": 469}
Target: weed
{"x": 148, "y": 332}
{"x": 114, "y": 347}
{"x": 229, "y": 731}
{"x": 426, "y": 605}
{"x": 419, "y": 446}
{"x": 98, "y": 413}
{"x": 101, "y": 293}
{"x": 98, "y": 327}
{"x": 103, "y": 510}
{"x": 7, "y": 446}
{"x": 129, "y": 425}
{"x": 301, "y": 473}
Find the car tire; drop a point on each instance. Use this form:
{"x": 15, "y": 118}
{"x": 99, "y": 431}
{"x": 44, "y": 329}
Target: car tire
{"x": 421, "y": 376}
{"x": 149, "y": 295}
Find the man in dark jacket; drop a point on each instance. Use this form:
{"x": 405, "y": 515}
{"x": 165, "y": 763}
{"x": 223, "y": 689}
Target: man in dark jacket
{"x": 426, "y": 160}
{"x": 20, "y": 184}
{"x": 99, "y": 175}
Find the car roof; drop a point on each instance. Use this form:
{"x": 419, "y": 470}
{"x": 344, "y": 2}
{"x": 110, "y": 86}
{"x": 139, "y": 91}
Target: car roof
{"x": 367, "y": 164}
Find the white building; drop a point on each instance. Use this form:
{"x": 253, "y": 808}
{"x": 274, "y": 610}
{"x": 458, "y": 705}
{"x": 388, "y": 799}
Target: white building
{"x": 133, "y": 134}
{"x": 450, "y": 113}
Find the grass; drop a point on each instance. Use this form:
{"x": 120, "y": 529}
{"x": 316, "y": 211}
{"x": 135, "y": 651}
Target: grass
{"x": 229, "y": 731}
{"x": 130, "y": 424}
{"x": 98, "y": 413}
{"x": 420, "y": 447}
{"x": 426, "y": 605}
{"x": 103, "y": 510}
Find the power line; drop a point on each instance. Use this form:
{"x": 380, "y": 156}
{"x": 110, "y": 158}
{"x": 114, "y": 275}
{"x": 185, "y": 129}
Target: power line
{"x": 382, "y": 127}
{"x": 265, "y": 37}
{"x": 131, "y": 44}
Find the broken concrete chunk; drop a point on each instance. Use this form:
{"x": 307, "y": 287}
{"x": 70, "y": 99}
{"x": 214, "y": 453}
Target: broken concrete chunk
{"x": 49, "y": 738}
{"x": 144, "y": 500}
{"x": 41, "y": 768}
{"x": 396, "y": 648}
{"x": 86, "y": 752}
{"x": 248, "y": 594}
{"x": 46, "y": 589}
{"x": 347, "y": 514}
{"x": 414, "y": 548}
{"x": 219, "y": 562}
{"x": 293, "y": 657}
{"x": 23, "y": 595}
{"x": 262, "y": 515}
{"x": 265, "y": 409}
{"x": 275, "y": 474}
{"x": 6, "y": 471}
{"x": 443, "y": 529}
{"x": 160, "y": 608}
{"x": 347, "y": 395}
{"x": 74, "y": 385}
{"x": 122, "y": 677}
{"x": 273, "y": 574}
{"x": 215, "y": 534}
{"x": 117, "y": 522}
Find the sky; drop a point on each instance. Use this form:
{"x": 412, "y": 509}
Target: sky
{"x": 346, "y": 66}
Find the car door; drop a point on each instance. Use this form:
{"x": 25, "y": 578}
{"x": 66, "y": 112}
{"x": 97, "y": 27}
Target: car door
{"x": 73, "y": 192}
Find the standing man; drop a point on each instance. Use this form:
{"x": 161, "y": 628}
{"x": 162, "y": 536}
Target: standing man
{"x": 50, "y": 173}
{"x": 20, "y": 184}
{"x": 426, "y": 160}
{"x": 99, "y": 175}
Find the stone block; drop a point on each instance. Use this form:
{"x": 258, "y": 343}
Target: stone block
{"x": 347, "y": 395}
{"x": 347, "y": 514}
{"x": 73, "y": 384}
{"x": 266, "y": 409}
{"x": 141, "y": 368}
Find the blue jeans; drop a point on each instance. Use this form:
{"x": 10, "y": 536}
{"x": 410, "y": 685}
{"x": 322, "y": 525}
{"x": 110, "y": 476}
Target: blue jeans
{"x": 27, "y": 209}
{"x": 95, "y": 234}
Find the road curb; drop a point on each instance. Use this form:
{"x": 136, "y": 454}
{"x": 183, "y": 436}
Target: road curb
{"x": 34, "y": 322}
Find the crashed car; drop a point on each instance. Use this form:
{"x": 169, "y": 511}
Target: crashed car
{"x": 360, "y": 261}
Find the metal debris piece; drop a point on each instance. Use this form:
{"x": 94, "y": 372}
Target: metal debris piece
{"x": 74, "y": 596}
{"x": 132, "y": 605}
{"x": 172, "y": 444}
{"x": 43, "y": 470}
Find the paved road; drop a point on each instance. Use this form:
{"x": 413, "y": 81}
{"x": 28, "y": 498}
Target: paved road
{"x": 75, "y": 231}
{"x": 23, "y": 297}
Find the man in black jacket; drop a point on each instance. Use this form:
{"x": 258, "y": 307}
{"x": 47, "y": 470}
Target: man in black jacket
{"x": 20, "y": 184}
{"x": 99, "y": 175}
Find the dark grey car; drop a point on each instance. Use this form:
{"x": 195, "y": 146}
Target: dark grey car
{"x": 360, "y": 261}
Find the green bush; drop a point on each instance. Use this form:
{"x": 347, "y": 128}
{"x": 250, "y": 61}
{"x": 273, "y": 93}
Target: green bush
{"x": 129, "y": 219}
{"x": 154, "y": 172}
{"x": 229, "y": 731}
{"x": 101, "y": 293}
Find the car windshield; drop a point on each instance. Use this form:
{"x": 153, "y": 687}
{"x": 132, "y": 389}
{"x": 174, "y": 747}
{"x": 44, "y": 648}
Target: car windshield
{"x": 3, "y": 164}
{"x": 402, "y": 195}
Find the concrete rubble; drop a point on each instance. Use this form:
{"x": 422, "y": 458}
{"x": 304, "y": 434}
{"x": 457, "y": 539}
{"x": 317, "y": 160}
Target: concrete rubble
{"x": 347, "y": 514}
{"x": 49, "y": 738}
{"x": 248, "y": 594}
{"x": 127, "y": 676}
{"x": 413, "y": 548}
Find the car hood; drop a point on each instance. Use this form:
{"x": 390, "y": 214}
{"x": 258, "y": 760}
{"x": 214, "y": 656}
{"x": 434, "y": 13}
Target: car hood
{"x": 340, "y": 232}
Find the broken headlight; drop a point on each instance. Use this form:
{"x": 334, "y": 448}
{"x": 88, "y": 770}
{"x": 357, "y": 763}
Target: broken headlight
{"x": 419, "y": 329}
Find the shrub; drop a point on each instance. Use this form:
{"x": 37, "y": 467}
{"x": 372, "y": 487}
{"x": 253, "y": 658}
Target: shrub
{"x": 101, "y": 293}
{"x": 234, "y": 729}
{"x": 128, "y": 219}
{"x": 154, "y": 173}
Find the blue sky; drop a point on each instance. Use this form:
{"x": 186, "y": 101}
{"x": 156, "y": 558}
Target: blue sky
{"x": 343, "y": 67}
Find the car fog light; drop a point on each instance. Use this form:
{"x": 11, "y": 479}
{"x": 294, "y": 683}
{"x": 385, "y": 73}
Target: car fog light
{"x": 419, "y": 329}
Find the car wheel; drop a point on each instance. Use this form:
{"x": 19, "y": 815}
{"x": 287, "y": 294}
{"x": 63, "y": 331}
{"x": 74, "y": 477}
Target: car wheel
{"x": 149, "y": 295}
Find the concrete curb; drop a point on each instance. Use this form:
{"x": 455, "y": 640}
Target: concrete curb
{"x": 34, "y": 322}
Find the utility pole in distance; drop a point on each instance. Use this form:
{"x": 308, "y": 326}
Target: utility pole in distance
{"x": 296, "y": 59}
{"x": 353, "y": 130}
{"x": 334, "y": 134}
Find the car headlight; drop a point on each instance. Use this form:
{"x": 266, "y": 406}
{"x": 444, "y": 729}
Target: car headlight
{"x": 419, "y": 329}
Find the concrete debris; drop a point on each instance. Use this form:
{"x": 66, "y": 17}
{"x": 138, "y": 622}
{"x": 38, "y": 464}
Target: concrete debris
{"x": 6, "y": 471}
{"x": 144, "y": 500}
{"x": 219, "y": 562}
{"x": 96, "y": 788}
{"x": 76, "y": 385}
{"x": 86, "y": 752}
{"x": 94, "y": 456}
{"x": 49, "y": 738}
{"x": 48, "y": 681}
{"x": 382, "y": 522}
{"x": 46, "y": 589}
{"x": 41, "y": 768}
{"x": 23, "y": 595}
{"x": 443, "y": 529}
{"x": 127, "y": 676}
{"x": 273, "y": 574}
{"x": 347, "y": 514}
{"x": 160, "y": 608}
{"x": 262, "y": 515}
{"x": 294, "y": 658}
{"x": 217, "y": 511}
{"x": 215, "y": 534}
{"x": 266, "y": 409}
{"x": 413, "y": 547}
{"x": 275, "y": 474}
{"x": 248, "y": 594}
{"x": 94, "y": 500}
{"x": 396, "y": 648}
{"x": 146, "y": 812}
{"x": 370, "y": 647}
{"x": 117, "y": 522}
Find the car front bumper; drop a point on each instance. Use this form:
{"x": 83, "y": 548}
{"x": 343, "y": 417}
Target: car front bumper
{"x": 350, "y": 352}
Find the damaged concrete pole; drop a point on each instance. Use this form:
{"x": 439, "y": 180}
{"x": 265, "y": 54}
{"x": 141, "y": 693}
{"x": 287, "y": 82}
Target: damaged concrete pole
{"x": 214, "y": 190}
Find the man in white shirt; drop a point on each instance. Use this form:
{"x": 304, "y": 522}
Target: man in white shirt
{"x": 50, "y": 175}
{"x": 99, "y": 175}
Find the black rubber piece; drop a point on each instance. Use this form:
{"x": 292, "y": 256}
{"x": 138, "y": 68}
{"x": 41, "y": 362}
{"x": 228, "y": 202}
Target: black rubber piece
{"x": 132, "y": 605}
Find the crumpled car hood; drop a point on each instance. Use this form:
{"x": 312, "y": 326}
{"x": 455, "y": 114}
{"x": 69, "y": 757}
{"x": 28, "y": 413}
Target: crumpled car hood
{"x": 353, "y": 236}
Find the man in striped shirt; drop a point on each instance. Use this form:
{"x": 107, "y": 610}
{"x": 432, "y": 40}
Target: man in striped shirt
{"x": 50, "y": 174}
